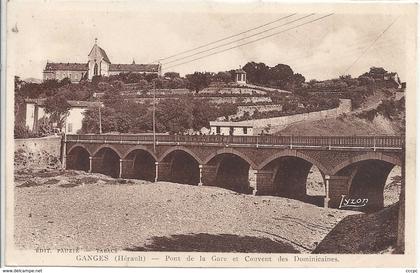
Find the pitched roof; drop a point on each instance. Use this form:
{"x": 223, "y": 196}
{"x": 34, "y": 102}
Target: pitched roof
{"x": 103, "y": 53}
{"x": 134, "y": 67}
{"x": 66, "y": 66}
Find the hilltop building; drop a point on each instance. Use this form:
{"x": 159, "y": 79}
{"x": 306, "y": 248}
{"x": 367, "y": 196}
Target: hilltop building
{"x": 240, "y": 76}
{"x": 98, "y": 64}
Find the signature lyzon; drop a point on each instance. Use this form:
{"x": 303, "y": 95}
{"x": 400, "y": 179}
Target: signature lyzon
{"x": 347, "y": 202}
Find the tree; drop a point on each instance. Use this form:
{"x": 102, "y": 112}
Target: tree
{"x": 202, "y": 113}
{"x": 175, "y": 115}
{"x": 112, "y": 96}
{"x": 171, "y": 75}
{"x": 198, "y": 81}
{"x": 377, "y": 72}
{"x": 96, "y": 79}
{"x": 65, "y": 81}
{"x": 280, "y": 75}
{"x": 58, "y": 108}
{"x": 134, "y": 78}
{"x": 257, "y": 73}
{"x": 225, "y": 77}
{"x": 298, "y": 79}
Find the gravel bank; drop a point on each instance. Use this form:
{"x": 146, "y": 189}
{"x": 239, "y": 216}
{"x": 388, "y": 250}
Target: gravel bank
{"x": 98, "y": 212}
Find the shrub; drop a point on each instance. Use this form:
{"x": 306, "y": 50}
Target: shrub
{"x": 21, "y": 131}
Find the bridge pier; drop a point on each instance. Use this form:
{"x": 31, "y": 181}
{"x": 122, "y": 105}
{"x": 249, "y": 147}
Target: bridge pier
{"x": 264, "y": 182}
{"x": 208, "y": 174}
{"x": 95, "y": 164}
{"x": 126, "y": 168}
{"x": 163, "y": 171}
{"x": 336, "y": 187}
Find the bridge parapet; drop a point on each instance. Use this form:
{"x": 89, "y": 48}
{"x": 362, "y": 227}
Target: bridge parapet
{"x": 293, "y": 142}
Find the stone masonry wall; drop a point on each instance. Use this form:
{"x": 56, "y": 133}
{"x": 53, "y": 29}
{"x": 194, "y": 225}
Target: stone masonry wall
{"x": 38, "y": 153}
{"x": 280, "y": 123}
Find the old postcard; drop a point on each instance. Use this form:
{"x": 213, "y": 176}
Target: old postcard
{"x": 210, "y": 134}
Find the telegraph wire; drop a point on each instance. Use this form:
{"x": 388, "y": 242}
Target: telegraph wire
{"x": 244, "y": 38}
{"x": 348, "y": 53}
{"x": 225, "y": 38}
{"x": 252, "y": 41}
{"x": 370, "y": 46}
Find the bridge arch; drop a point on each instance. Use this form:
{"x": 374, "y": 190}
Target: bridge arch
{"x": 106, "y": 160}
{"x": 139, "y": 148}
{"x": 365, "y": 177}
{"x": 232, "y": 151}
{"x": 231, "y": 170}
{"x": 139, "y": 163}
{"x": 77, "y": 158}
{"x": 180, "y": 148}
{"x": 367, "y": 156}
{"x": 181, "y": 165}
{"x": 111, "y": 147}
{"x": 293, "y": 153}
{"x": 295, "y": 175}
{"x": 79, "y": 146}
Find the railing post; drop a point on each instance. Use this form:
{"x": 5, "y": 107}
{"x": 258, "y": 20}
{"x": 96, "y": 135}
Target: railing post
{"x": 200, "y": 183}
{"x": 156, "y": 171}
{"x": 327, "y": 191}
{"x": 374, "y": 143}
{"x": 257, "y": 141}
{"x": 291, "y": 142}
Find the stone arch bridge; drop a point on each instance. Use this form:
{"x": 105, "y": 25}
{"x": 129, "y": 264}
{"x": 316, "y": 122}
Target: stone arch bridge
{"x": 355, "y": 166}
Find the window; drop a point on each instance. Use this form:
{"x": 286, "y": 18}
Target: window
{"x": 217, "y": 129}
{"x": 231, "y": 130}
{"x": 69, "y": 127}
{"x": 245, "y": 130}
{"x": 95, "y": 69}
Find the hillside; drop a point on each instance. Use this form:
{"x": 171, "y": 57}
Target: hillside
{"x": 379, "y": 115}
{"x": 345, "y": 125}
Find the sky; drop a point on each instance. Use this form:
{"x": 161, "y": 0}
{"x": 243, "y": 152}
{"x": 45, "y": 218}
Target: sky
{"x": 63, "y": 31}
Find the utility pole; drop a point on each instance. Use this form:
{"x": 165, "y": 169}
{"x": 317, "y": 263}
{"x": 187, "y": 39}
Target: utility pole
{"x": 100, "y": 119}
{"x": 154, "y": 116}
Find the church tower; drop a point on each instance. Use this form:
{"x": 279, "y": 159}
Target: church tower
{"x": 98, "y": 62}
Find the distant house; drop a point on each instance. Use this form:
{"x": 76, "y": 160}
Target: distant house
{"x": 35, "y": 110}
{"x": 98, "y": 64}
{"x": 231, "y": 128}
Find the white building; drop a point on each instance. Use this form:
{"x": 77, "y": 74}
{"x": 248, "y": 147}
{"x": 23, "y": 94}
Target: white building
{"x": 231, "y": 128}
{"x": 240, "y": 76}
{"x": 35, "y": 110}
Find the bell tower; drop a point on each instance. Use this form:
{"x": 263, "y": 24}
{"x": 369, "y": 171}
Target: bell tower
{"x": 98, "y": 61}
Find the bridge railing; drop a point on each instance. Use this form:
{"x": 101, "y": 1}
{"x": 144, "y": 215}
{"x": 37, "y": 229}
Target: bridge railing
{"x": 269, "y": 140}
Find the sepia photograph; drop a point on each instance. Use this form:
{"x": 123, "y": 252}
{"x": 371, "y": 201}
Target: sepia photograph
{"x": 210, "y": 134}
